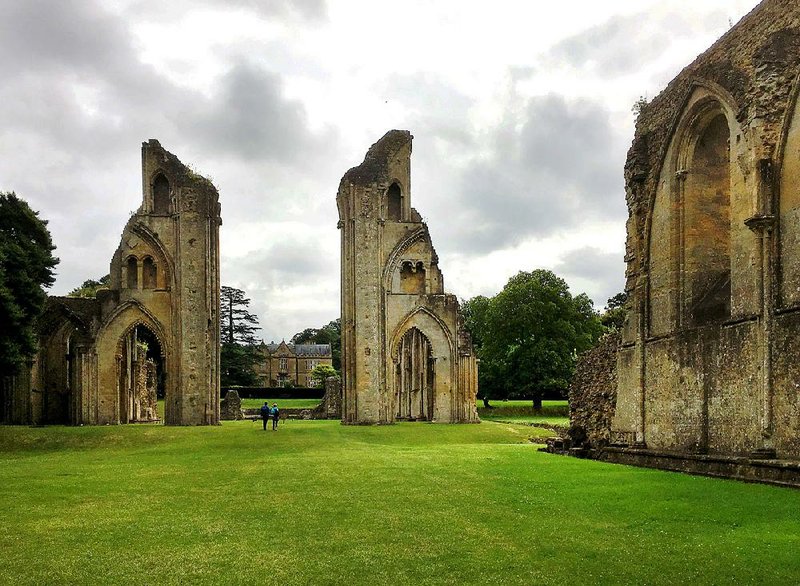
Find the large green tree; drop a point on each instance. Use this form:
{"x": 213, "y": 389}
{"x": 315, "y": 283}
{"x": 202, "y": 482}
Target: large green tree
{"x": 26, "y": 269}
{"x": 530, "y": 334}
{"x": 238, "y": 352}
{"x": 327, "y": 334}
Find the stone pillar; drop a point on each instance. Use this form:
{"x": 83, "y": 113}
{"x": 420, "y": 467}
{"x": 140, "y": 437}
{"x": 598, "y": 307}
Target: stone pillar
{"x": 763, "y": 226}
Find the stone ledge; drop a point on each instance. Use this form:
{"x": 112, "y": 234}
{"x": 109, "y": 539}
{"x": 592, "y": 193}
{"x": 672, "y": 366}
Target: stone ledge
{"x": 777, "y": 472}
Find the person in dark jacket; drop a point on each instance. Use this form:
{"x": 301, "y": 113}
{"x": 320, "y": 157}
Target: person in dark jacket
{"x": 275, "y": 416}
{"x": 265, "y": 413}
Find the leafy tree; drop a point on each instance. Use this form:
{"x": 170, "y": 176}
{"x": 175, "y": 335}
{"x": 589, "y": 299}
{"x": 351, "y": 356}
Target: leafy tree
{"x": 321, "y": 372}
{"x": 475, "y": 313}
{"x": 238, "y": 352}
{"x": 89, "y": 287}
{"x": 614, "y": 316}
{"x": 530, "y": 335}
{"x": 26, "y": 269}
{"x": 327, "y": 334}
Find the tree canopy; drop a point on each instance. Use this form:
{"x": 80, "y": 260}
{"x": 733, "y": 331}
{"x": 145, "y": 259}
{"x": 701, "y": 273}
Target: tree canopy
{"x": 529, "y": 335}
{"x": 89, "y": 287}
{"x": 615, "y": 312}
{"x": 238, "y": 352}
{"x": 321, "y": 372}
{"x": 26, "y": 269}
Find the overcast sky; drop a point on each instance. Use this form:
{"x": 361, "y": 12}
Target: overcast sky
{"x": 520, "y": 111}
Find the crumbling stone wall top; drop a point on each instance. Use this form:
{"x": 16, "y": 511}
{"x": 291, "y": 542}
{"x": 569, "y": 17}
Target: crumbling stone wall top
{"x": 374, "y": 169}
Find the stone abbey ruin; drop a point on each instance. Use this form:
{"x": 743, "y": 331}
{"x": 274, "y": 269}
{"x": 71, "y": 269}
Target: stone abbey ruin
{"x": 154, "y": 330}
{"x": 707, "y": 369}
{"x": 406, "y": 354}
{"x": 703, "y": 377}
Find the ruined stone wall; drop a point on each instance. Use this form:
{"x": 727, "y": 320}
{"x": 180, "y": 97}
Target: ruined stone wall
{"x": 391, "y": 284}
{"x": 230, "y": 408}
{"x": 711, "y": 251}
{"x": 593, "y": 394}
{"x": 164, "y": 277}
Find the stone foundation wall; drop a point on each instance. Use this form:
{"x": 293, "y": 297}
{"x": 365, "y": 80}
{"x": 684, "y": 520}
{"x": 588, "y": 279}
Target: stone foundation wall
{"x": 593, "y": 394}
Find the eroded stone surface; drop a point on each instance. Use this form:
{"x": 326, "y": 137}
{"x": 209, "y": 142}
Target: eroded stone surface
{"x": 157, "y": 324}
{"x": 708, "y": 356}
{"x": 405, "y": 353}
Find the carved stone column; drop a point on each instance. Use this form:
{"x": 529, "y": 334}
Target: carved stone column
{"x": 763, "y": 226}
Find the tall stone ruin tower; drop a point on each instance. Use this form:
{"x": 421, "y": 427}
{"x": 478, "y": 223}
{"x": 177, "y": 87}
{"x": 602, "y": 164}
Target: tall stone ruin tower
{"x": 405, "y": 353}
{"x": 180, "y": 217}
{"x": 153, "y": 332}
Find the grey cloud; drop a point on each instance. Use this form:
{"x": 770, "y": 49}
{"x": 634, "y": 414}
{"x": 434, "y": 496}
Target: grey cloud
{"x": 42, "y": 35}
{"x": 557, "y": 166}
{"x": 625, "y": 44}
{"x": 291, "y": 260}
{"x": 304, "y": 10}
{"x": 77, "y": 102}
{"x": 434, "y": 108}
{"x": 603, "y": 270}
{"x": 249, "y": 117}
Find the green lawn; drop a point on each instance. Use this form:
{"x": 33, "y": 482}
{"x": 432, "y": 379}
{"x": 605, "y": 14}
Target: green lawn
{"x": 552, "y": 412}
{"x": 282, "y": 403}
{"x": 256, "y": 403}
{"x": 414, "y": 503}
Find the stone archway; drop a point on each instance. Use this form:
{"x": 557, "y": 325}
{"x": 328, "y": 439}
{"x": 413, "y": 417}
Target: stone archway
{"x": 414, "y": 377}
{"x": 141, "y": 374}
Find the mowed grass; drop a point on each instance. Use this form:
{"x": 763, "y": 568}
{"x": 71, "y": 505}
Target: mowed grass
{"x": 516, "y": 411}
{"x": 320, "y": 503}
{"x": 257, "y": 403}
{"x": 282, "y": 403}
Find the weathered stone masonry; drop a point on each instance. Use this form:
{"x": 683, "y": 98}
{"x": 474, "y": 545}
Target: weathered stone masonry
{"x": 158, "y": 319}
{"x": 709, "y": 356}
{"x": 405, "y": 353}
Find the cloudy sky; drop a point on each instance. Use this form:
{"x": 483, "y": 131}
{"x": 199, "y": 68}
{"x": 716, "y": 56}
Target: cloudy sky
{"x": 521, "y": 114}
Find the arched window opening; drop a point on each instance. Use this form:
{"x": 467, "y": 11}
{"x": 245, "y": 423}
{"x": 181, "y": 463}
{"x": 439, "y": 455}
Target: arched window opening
{"x": 414, "y": 377}
{"x": 412, "y": 278}
{"x": 395, "y": 202}
{"x": 707, "y": 226}
{"x": 149, "y": 273}
{"x": 132, "y": 270}
{"x": 142, "y": 376}
{"x": 161, "y": 195}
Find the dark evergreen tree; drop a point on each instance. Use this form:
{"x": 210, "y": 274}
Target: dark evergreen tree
{"x": 26, "y": 269}
{"x": 238, "y": 351}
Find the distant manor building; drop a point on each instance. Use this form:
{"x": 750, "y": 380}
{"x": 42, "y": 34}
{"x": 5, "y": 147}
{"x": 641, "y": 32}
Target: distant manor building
{"x": 285, "y": 365}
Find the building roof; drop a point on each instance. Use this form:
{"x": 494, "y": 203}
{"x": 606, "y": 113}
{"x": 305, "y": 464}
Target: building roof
{"x": 315, "y": 350}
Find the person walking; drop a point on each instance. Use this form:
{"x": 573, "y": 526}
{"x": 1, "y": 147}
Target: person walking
{"x": 275, "y": 416}
{"x": 265, "y": 413}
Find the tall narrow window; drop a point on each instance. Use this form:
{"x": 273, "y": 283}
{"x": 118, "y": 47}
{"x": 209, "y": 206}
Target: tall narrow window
{"x": 149, "y": 273}
{"x": 132, "y": 268}
{"x": 395, "y": 202}
{"x": 161, "y": 195}
{"x": 707, "y": 225}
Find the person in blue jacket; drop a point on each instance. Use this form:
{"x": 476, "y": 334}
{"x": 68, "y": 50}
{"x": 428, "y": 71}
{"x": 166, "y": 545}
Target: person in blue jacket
{"x": 265, "y": 413}
{"x": 275, "y": 412}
